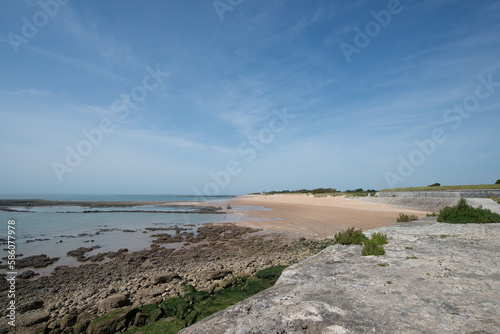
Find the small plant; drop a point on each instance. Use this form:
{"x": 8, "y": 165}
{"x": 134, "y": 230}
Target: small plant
{"x": 383, "y": 264}
{"x": 380, "y": 238}
{"x": 463, "y": 213}
{"x": 372, "y": 247}
{"x": 413, "y": 257}
{"x": 432, "y": 214}
{"x": 389, "y": 282}
{"x": 410, "y": 248}
{"x": 354, "y": 236}
{"x": 351, "y": 236}
{"x": 403, "y": 217}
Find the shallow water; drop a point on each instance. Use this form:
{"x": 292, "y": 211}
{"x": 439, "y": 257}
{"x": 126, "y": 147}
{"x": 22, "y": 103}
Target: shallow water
{"x": 53, "y": 231}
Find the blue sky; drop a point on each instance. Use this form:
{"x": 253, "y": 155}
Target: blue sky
{"x": 231, "y": 97}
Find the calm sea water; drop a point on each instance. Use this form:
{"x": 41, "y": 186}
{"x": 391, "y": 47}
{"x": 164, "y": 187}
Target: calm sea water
{"x": 53, "y": 231}
{"x": 120, "y": 198}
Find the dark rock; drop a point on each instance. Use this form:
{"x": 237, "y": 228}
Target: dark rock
{"x": 34, "y": 305}
{"x": 113, "y": 301}
{"x": 165, "y": 278}
{"x": 27, "y": 274}
{"x": 4, "y": 285}
{"x": 35, "y": 261}
{"x": 33, "y": 318}
{"x": 115, "y": 321}
{"x": 83, "y": 321}
{"x": 69, "y": 320}
{"x": 80, "y": 252}
{"x": 214, "y": 274}
{"x": 141, "y": 319}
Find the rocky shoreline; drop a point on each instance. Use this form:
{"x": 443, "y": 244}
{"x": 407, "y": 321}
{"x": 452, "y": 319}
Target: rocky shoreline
{"x": 217, "y": 256}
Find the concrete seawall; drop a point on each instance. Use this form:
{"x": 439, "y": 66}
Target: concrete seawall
{"x": 473, "y": 193}
{"x": 431, "y": 204}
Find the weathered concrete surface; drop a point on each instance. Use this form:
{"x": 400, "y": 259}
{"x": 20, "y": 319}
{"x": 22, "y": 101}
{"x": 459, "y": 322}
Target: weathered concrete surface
{"x": 434, "y": 204}
{"x": 468, "y": 193}
{"x": 440, "y": 278}
{"x": 486, "y": 203}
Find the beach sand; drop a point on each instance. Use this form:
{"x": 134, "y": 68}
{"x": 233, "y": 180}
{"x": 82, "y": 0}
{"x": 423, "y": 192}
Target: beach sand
{"x": 317, "y": 217}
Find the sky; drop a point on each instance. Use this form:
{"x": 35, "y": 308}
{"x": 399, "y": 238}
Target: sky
{"x": 238, "y": 96}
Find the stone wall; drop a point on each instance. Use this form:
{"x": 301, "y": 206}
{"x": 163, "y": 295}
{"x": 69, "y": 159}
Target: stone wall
{"x": 475, "y": 193}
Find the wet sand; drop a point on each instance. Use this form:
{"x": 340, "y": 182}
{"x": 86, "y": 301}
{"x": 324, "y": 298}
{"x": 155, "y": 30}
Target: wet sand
{"x": 317, "y": 217}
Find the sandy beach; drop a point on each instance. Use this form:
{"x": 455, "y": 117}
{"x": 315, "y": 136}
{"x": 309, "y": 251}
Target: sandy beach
{"x": 317, "y": 217}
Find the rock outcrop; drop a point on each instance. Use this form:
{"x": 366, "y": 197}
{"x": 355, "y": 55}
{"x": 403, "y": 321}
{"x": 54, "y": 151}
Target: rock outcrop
{"x": 434, "y": 278}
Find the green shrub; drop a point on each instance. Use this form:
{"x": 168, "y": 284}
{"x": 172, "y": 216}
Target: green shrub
{"x": 351, "y": 236}
{"x": 432, "y": 214}
{"x": 372, "y": 247}
{"x": 463, "y": 213}
{"x": 380, "y": 238}
{"x": 403, "y": 217}
{"x": 354, "y": 236}
{"x": 435, "y": 185}
{"x": 498, "y": 182}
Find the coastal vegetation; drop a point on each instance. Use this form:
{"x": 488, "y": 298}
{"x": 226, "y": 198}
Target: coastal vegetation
{"x": 321, "y": 192}
{"x": 353, "y": 236}
{"x": 463, "y": 213}
{"x": 403, "y": 217}
{"x": 372, "y": 247}
{"x": 440, "y": 188}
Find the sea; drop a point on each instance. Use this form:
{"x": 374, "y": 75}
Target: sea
{"x": 55, "y": 230}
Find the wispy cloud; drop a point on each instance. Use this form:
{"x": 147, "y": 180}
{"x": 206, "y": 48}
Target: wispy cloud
{"x": 91, "y": 37}
{"x": 28, "y": 92}
{"x": 78, "y": 63}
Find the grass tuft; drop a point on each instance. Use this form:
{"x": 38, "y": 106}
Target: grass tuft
{"x": 354, "y": 236}
{"x": 403, "y": 217}
{"x": 380, "y": 238}
{"x": 372, "y": 247}
{"x": 351, "y": 236}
